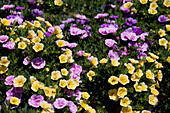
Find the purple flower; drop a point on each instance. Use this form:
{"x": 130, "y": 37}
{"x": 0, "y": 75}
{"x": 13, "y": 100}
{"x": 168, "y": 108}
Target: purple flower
{"x": 14, "y": 92}
{"x": 124, "y": 36}
{"x": 72, "y": 107}
{"x": 38, "y": 12}
{"x": 141, "y": 54}
{"x": 81, "y": 16}
{"x": 38, "y": 63}
{"x": 69, "y": 20}
{"x": 32, "y": 1}
{"x": 137, "y": 30}
{"x": 135, "y": 44}
{"x": 60, "y": 103}
{"x": 26, "y": 62}
{"x": 3, "y": 38}
{"x": 113, "y": 55}
{"x": 125, "y": 10}
{"x": 9, "y": 80}
{"x": 131, "y": 20}
{"x": 62, "y": 26}
{"x": 142, "y": 47}
{"x": 19, "y": 8}
{"x": 7, "y": 7}
{"x": 101, "y": 15}
{"x": 114, "y": 16}
{"x": 72, "y": 45}
{"x": 110, "y": 42}
{"x": 9, "y": 45}
{"x": 34, "y": 101}
{"x": 142, "y": 36}
{"x": 80, "y": 53}
{"x": 162, "y": 18}
{"x": 48, "y": 34}
{"x": 76, "y": 31}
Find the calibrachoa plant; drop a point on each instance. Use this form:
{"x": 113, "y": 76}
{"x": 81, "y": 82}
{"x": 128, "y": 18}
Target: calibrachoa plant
{"x": 114, "y": 59}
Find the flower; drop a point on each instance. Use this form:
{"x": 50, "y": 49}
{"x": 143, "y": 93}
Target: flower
{"x": 60, "y": 43}
{"x": 133, "y": 61}
{"x": 19, "y": 81}
{"x": 153, "y": 5}
{"x": 5, "y": 21}
{"x": 124, "y": 102}
{"x": 26, "y": 62}
{"x": 37, "y": 23}
{"x": 110, "y": 42}
{"x": 64, "y": 71}
{"x": 143, "y": 1}
{"x": 167, "y": 27}
{"x": 163, "y": 42}
{"x": 38, "y": 63}
{"x": 127, "y": 109}
{"x": 3, "y": 38}
{"x": 149, "y": 74}
{"x": 34, "y": 101}
{"x": 153, "y": 100}
{"x": 154, "y": 91}
{"x": 58, "y": 2}
{"x": 63, "y": 83}
{"x": 9, "y": 80}
{"x": 113, "y": 80}
{"x": 85, "y": 95}
{"x": 161, "y": 32}
{"x": 55, "y": 75}
{"x": 22, "y": 45}
{"x": 152, "y": 11}
{"x": 101, "y": 15}
{"x": 71, "y": 84}
{"x": 113, "y": 55}
{"x": 72, "y": 107}
{"x": 63, "y": 58}
{"x": 168, "y": 59}
{"x": 9, "y": 45}
{"x": 122, "y": 91}
{"x": 153, "y": 55}
{"x": 15, "y": 101}
{"x": 123, "y": 79}
{"x": 4, "y": 61}
{"x": 128, "y": 5}
{"x": 60, "y": 103}
{"x": 113, "y": 94}
{"x": 38, "y": 47}
{"x": 149, "y": 59}
{"x": 144, "y": 86}
{"x": 166, "y": 3}
{"x": 103, "y": 61}
{"x": 162, "y": 18}
{"x": 114, "y": 62}
{"x": 3, "y": 69}
{"x": 145, "y": 111}
{"x": 36, "y": 40}
{"x": 45, "y": 105}
{"x": 81, "y": 16}
{"x": 5, "y": 7}
{"x": 84, "y": 104}
{"x": 90, "y": 74}
{"x": 137, "y": 87}
{"x": 130, "y": 68}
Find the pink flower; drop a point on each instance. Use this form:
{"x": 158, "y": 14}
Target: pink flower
{"x": 32, "y": 1}
{"x": 80, "y": 53}
{"x": 72, "y": 107}
{"x": 81, "y": 16}
{"x": 126, "y": 10}
{"x": 112, "y": 6}
{"x": 51, "y": 29}
{"x": 76, "y": 31}
{"x": 124, "y": 36}
{"x": 7, "y": 7}
{"x": 34, "y": 101}
{"x": 9, "y": 80}
{"x": 60, "y": 103}
{"x": 110, "y": 42}
{"x": 26, "y": 62}
{"x": 103, "y": 31}
{"x": 3, "y": 38}
{"x": 142, "y": 36}
{"x": 132, "y": 36}
{"x": 101, "y": 15}
{"x": 10, "y": 45}
{"x": 38, "y": 63}
{"x": 113, "y": 55}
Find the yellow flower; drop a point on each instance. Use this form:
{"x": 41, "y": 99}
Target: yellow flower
{"x": 153, "y": 5}
{"x": 40, "y": 18}
{"x": 90, "y": 110}
{"x": 153, "y": 55}
{"x": 154, "y": 91}
{"x": 45, "y": 105}
{"x": 63, "y": 83}
{"x": 149, "y": 59}
{"x": 124, "y": 102}
{"x": 55, "y": 75}
{"x": 35, "y": 86}
{"x": 113, "y": 80}
{"x": 114, "y": 62}
{"x": 103, "y": 61}
{"x": 136, "y": 111}
{"x": 85, "y": 95}
{"x": 153, "y": 100}
{"x": 163, "y": 42}
{"x": 57, "y": 30}
{"x": 168, "y": 59}
{"x": 161, "y": 32}
{"x": 58, "y": 2}
{"x": 59, "y": 36}
{"x": 133, "y": 61}
{"x": 48, "y": 91}
{"x": 63, "y": 58}
{"x": 153, "y": 0}
{"x": 137, "y": 87}
{"x": 128, "y": 5}
{"x": 152, "y": 11}
{"x": 134, "y": 77}
{"x": 159, "y": 75}
{"x": 149, "y": 74}
{"x": 17, "y": 40}
{"x": 143, "y": 1}
{"x": 122, "y": 91}
{"x": 94, "y": 61}
{"x": 113, "y": 94}
{"x": 130, "y": 68}
{"x": 36, "y": 40}
{"x": 127, "y": 109}
{"x": 64, "y": 72}
{"x": 139, "y": 73}
{"x": 38, "y": 47}
{"x": 4, "y": 61}
{"x": 40, "y": 34}
{"x": 166, "y": 3}
{"x": 84, "y": 104}
{"x": 146, "y": 111}
{"x": 144, "y": 86}
{"x": 70, "y": 59}
{"x": 5, "y": 21}
{"x": 47, "y": 24}
{"x": 61, "y": 43}
{"x": 15, "y": 101}
{"x": 68, "y": 52}
{"x": 22, "y": 45}
{"x": 41, "y": 85}
{"x": 134, "y": 10}
{"x": 76, "y": 81}
{"x": 123, "y": 79}
{"x": 71, "y": 84}
{"x": 37, "y": 23}
{"x": 32, "y": 79}
{"x": 90, "y": 74}
{"x": 167, "y": 27}
{"x": 32, "y": 34}
{"x": 19, "y": 81}
{"x": 86, "y": 54}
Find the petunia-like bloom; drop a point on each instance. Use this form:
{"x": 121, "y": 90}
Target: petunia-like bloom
{"x": 80, "y": 53}
{"x": 76, "y": 31}
{"x": 32, "y": 1}
{"x": 124, "y": 102}
{"x": 9, "y": 80}
{"x": 110, "y": 42}
{"x": 9, "y": 45}
{"x": 38, "y": 47}
{"x": 143, "y": 1}
{"x": 3, "y": 38}
{"x": 7, "y": 7}
{"x": 125, "y": 10}
{"x": 153, "y": 100}
{"x": 113, "y": 80}
{"x": 113, "y": 55}
{"x": 58, "y": 2}
{"x": 19, "y": 81}
{"x": 162, "y": 18}
{"x": 34, "y": 101}
{"x": 122, "y": 91}
{"x": 81, "y": 16}
{"x": 15, "y": 101}
{"x": 123, "y": 79}
{"x": 38, "y": 63}
{"x": 113, "y": 94}
{"x": 26, "y": 62}
{"x": 60, "y": 103}
{"x": 72, "y": 107}
{"x": 101, "y": 15}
